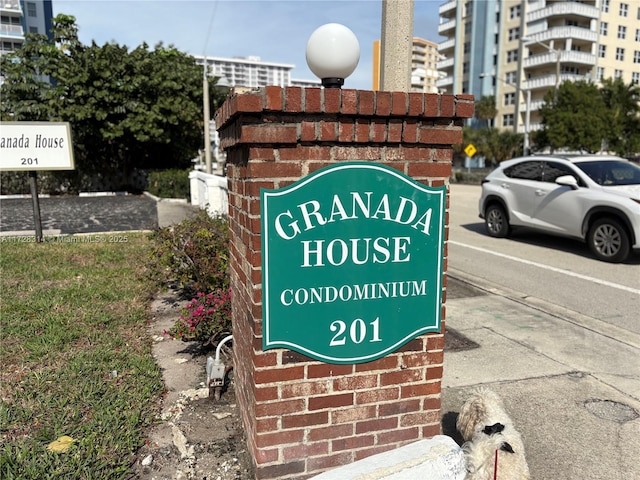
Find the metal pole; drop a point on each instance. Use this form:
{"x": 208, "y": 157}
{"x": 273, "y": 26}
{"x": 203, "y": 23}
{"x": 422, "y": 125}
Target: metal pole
{"x": 527, "y": 120}
{"x": 205, "y": 101}
{"x": 557, "y": 73}
{"x": 518, "y": 84}
{"x": 525, "y": 146}
{"x": 33, "y": 184}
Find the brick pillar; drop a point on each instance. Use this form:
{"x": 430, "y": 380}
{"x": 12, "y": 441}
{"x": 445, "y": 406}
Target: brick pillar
{"x": 303, "y": 416}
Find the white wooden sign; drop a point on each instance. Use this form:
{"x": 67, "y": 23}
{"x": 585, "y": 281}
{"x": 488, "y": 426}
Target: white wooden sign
{"x": 35, "y": 146}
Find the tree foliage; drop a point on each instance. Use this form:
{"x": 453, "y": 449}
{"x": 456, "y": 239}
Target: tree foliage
{"x": 586, "y": 118}
{"x": 623, "y": 108}
{"x": 580, "y": 116}
{"x": 494, "y": 144}
{"x": 485, "y": 109}
{"x": 490, "y": 142}
{"x": 128, "y": 109}
{"x": 574, "y": 119}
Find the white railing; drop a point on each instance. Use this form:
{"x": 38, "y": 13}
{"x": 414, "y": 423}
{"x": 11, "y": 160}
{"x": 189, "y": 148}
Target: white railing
{"x": 446, "y": 45}
{"x": 533, "y": 106}
{"x": 444, "y": 82}
{"x": 442, "y": 64}
{"x": 12, "y": 30}
{"x": 563, "y": 33}
{"x": 446, "y": 26}
{"x": 565, "y": 57}
{"x": 549, "y": 81}
{"x": 447, "y": 7}
{"x": 13, "y": 5}
{"x": 563, "y": 9}
{"x": 209, "y": 191}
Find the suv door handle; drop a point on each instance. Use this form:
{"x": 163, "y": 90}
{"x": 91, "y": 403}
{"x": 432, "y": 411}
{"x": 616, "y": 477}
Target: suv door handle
{"x": 505, "y": 185}
{"x": 540, "y": 193}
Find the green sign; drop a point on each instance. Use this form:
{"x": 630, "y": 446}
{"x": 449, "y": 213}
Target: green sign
{"x": 351, "y": 262}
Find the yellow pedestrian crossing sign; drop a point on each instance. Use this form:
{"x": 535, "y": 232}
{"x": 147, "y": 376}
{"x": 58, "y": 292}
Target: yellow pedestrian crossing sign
{"x": 470, "y": 150}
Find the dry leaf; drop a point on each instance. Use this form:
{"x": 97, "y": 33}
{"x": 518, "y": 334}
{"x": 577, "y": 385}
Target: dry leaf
{"x": 60, "y": 445}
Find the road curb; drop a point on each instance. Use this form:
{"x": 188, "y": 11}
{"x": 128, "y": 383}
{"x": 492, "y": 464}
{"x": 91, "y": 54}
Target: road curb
{"x": 167, "y": 200}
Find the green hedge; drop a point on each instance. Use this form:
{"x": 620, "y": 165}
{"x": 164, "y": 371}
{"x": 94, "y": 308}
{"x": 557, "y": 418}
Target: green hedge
{"x": 169, "y": 183}
{"x": 17, "y": 183}
{"x": 471, "y": 176}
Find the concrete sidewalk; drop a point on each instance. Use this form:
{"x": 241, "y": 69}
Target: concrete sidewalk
{"x": 571, "y": 383}
{"x": 172, "y": 211}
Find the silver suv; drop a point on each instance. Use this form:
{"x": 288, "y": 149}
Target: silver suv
{"x": 595, "y": 198}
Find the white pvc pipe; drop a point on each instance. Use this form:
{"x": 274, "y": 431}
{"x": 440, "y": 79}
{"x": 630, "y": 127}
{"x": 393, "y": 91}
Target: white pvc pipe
{"x": 222, "y": 342}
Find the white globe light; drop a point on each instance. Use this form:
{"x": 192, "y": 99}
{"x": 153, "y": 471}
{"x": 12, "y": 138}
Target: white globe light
{"x": 333, "y": 53}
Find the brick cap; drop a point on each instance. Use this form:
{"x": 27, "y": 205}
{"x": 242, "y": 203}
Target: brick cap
{"x": 354, "y": 103}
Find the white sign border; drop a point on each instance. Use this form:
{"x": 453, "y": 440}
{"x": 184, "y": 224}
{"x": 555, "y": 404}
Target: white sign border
{"x": 69, "y": 149}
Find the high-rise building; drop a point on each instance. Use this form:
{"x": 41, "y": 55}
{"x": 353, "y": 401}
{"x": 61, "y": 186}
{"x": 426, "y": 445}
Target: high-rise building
{"x": 251, "y": 72}
{"x": 518, "y": 50}
{"x": 17, "y": 18}
{"x": 424, "y": 59}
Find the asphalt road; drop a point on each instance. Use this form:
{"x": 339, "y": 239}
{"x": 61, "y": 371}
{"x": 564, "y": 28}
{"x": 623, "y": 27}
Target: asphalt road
{"x": 73, "y": 214}
{"x": 557, "y": 270}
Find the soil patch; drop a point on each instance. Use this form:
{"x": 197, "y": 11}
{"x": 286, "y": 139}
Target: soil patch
{"x": 454, "y": 341}
{"x": 196, "y": 437}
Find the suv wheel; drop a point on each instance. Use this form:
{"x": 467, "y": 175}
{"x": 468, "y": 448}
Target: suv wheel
{"x": 608, "y": 240}
{"x": 496, "y": 221}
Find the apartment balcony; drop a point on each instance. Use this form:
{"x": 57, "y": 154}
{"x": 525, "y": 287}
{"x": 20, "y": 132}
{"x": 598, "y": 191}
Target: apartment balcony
{"x": 444, "y": 64}
{"x": 563, "y": 33}
{"x": 549, "y": 81}
{"x": 445, "y": 82}
{"x": 13, "y": 31}
{"x": 534, "y": 106}
{"x": 10, "y": 6}
{"x": 447, "y": 9}
{"x": 564, "y": 9}
{"x": 6, "y": 52}
{"x": 446, "y": 46}
{"x": 566, "y": 57}
{"x": 446, "y": 27}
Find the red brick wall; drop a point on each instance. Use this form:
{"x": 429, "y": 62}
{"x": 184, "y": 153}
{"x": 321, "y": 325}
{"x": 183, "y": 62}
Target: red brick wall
{"x": 302, "y": 416}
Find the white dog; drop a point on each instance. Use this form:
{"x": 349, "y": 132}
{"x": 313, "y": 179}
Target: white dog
{"x": 493, "y": 447}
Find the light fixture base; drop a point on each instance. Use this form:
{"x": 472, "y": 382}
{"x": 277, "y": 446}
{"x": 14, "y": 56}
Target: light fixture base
{"x": 332, "y": 82}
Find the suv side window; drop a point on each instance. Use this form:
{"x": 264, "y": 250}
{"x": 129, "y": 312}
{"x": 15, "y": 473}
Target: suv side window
{"x": 529, "y": 170}
{"x": 553, "y": 170}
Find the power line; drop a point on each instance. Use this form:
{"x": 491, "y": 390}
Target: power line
{"x": 206, "y": 40}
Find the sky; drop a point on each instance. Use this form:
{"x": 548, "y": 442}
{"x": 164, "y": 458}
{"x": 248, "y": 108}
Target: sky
{"x": 274, "y": 30}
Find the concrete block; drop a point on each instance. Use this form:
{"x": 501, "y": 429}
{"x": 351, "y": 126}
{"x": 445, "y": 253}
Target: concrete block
{"x": 209, "y": 191}
{"x": 437, "y": 458}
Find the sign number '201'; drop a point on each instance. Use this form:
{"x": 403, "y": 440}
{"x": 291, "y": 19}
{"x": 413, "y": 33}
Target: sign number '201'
{"x": 358, "y": 332}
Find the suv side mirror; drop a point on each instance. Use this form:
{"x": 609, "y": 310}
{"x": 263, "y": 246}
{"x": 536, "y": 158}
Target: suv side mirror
{"x": 568, "y": 181}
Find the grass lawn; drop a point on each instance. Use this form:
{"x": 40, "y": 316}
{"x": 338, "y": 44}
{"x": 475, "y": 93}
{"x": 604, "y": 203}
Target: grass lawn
{"x": 75, "y": 356}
